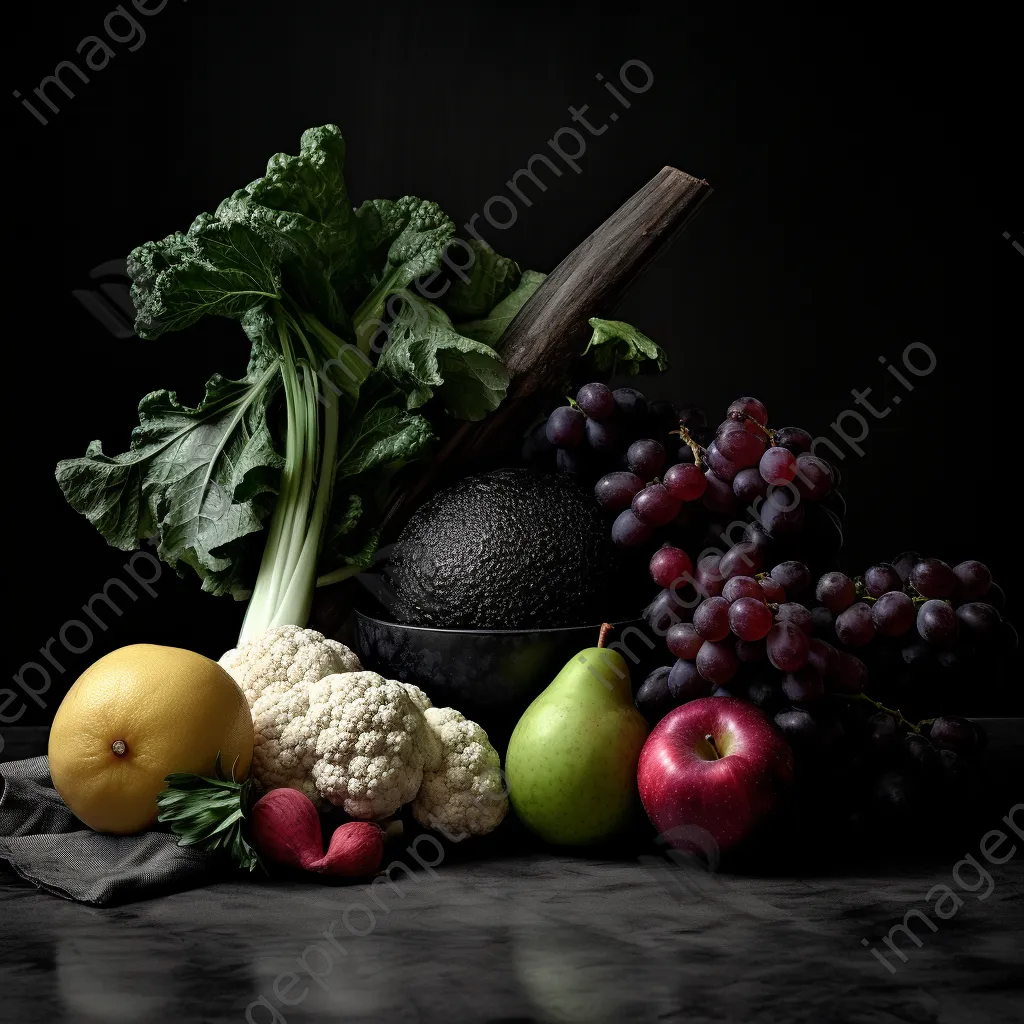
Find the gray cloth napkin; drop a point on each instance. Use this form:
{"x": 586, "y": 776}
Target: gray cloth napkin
{"x": 48, "y": 846}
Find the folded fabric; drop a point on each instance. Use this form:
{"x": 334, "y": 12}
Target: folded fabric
{"x": 47, "y": 845}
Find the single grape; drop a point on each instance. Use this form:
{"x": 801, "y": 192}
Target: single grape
{"x": 536, "y": 446}
{"x": 616, "y": 491}
{"x": 772, "y": 590}
{"x": 655, "y": 506}
{"x": 631, "y": 403}
{"x": 804, "y": 686}
{"x": 851, "y": 674}
{"x": 882, "y": 579}
{"x": 855, "y": 626}
{"x": 653, "y": 699}
{"x": 693, "y": 418}
{"x": 973, "y": 580}
{"x": 646, "y": 458}
{"x": 711, "y": 619}
{"x": 835, "y": 502}
{"x": 931, "y": 577}
{"x": 629, "y": 532}
{"x": 727, "y": 426}
{"x": 670, "y": 566}
{"x": 720, "y": 465}
{"x": 740, "y": 448}
{"x": 743, "y": 409}
{"x": 904, "y": 562}
{"x": 917, "y": 654}
{"x": 566, "y": 427}
{"x": 717, "y": 662}
{"x": 664, "y": 417}
{"x": 777, "y": 466}
{"x": 764, "y": 694}
{"x": 824, "y": 622}
{"x": 836, "y": 591}
{"x": 718, "y": 497}
{"x": 814, "y": 477}
{"x": 921, "y": 756}
{"x": 741, "y": 560}
{"x": 823, "y": 656}
{"x": 709, "y": 575}
{"x": 668, "y": 608}
{"x": 954, "y": 733}
{"x": 794, "y": 439}
{"x": 996, "y": 597}
{"x": 823, "y": 532}
{"x": 742, "y": 586}
{"x": 684, "y": 641}
{"x": 757, "y": 537}
{"x": 686, "y": 683}
{"x": 780, "y": 515}
{"x": 749, "y": 618}
{"x": 882, "y": 732}
{"x": 604, "y": 436}
{"x": 798, "y": 614}
{"x": 596, "y": 401}
{"x": 685, "y": 456}
{"x": 787, "y": 647}
{"x": 748, "y": 485}
{"x": 799, "y": 728}
{"x": 685, "y": 482}
{"x": 983, "y": 623}
{"x": 893, "y": 613}
{"x": 750, "y": 651}
{"x": 937, "y": 623}
{"x": 575, "y": 463}
{"x": 793, "y": 577}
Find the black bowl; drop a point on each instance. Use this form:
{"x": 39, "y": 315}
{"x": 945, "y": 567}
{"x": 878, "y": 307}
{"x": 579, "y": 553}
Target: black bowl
{"x": 490, "y": 675}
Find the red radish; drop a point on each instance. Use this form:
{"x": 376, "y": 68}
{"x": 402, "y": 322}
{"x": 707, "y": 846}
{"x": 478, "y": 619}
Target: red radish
{"x": 286, "y": 830}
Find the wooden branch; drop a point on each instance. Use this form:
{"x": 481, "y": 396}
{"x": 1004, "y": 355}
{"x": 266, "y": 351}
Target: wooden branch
{"x": 550, "y": 332}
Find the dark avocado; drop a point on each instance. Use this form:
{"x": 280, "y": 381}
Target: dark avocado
{"x": 510, "y": 549}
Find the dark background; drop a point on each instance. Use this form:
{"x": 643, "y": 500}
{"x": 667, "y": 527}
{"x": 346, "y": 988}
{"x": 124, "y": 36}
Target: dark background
{"x": 864, "y": 172}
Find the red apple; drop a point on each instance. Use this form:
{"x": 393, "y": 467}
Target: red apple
{"x": 717, "y": 766}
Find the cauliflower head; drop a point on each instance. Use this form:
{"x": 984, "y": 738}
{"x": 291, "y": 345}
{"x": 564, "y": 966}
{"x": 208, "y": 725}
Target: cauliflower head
{"x": 324, "y": 726}
{"x": 466, "y": 793}
{"x": 348, "y": 737}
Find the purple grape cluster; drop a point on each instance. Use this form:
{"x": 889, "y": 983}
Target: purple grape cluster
{"x": 663, "y": 479}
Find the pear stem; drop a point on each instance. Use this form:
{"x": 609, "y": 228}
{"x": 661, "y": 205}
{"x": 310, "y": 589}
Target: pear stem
{"x": 602, "y": 636}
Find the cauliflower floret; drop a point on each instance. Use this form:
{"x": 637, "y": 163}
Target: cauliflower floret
{"x": 368, "y": 743}
{"x": 466, "y": 794}
{"x": 283, "y": 656}
{"x": 275, "y": 671}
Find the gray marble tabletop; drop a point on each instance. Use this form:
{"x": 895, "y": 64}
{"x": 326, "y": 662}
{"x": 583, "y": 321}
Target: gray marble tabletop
{"x": 534, "y": 937}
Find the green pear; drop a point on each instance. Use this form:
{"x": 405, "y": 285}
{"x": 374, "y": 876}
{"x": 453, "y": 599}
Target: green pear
{"x": 571, "y": 762}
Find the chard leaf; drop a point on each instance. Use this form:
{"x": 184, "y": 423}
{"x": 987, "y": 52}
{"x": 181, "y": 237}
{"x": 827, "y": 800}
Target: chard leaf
{"x": 382, "y": 436}
{"x": 214, "y": 269}
{"x": 490, "y": 329}
{"x": 425, "y": 353}
{"x": 302, "y": 204}
{"x": 200, "y": 479}
{"x": 617, "y": 347}
{"x": 481, "y": 286}
{"x": 400, "y": 240}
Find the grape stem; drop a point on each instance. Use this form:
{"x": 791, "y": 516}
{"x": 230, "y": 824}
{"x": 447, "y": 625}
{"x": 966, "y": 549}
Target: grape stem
{"x": 688, "y": 440}
{"x": 760, "y": 426}
{"x": 895, "y": 712}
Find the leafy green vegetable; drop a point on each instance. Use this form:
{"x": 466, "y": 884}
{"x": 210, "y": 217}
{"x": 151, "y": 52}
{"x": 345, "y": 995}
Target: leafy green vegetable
{"x": 478, "y": 288}
{"x": 490, "y": 329}
{"x": 617, "y": 347}
{"x": 313, "y": 284}
{"x": 425, "y": 352}
{"x": 211, "y": 813}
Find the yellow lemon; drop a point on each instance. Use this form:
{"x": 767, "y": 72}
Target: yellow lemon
{"x": 134, "y": 717}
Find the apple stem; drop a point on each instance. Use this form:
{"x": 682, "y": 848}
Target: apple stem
{"x": 711, "y": 741}
{"x": 602, "y": 636}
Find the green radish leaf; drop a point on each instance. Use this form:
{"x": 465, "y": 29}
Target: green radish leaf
{"x": 482, "y": 285}
{"x": 617, "y": 347}
{"x": 490, "y": 329}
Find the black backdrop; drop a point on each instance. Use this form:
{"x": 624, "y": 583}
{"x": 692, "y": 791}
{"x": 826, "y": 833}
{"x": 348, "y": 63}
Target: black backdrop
{"x": 864, "y": 177}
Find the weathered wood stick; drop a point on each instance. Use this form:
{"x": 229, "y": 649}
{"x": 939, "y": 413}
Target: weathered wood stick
{"x": 550, "y": 332}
